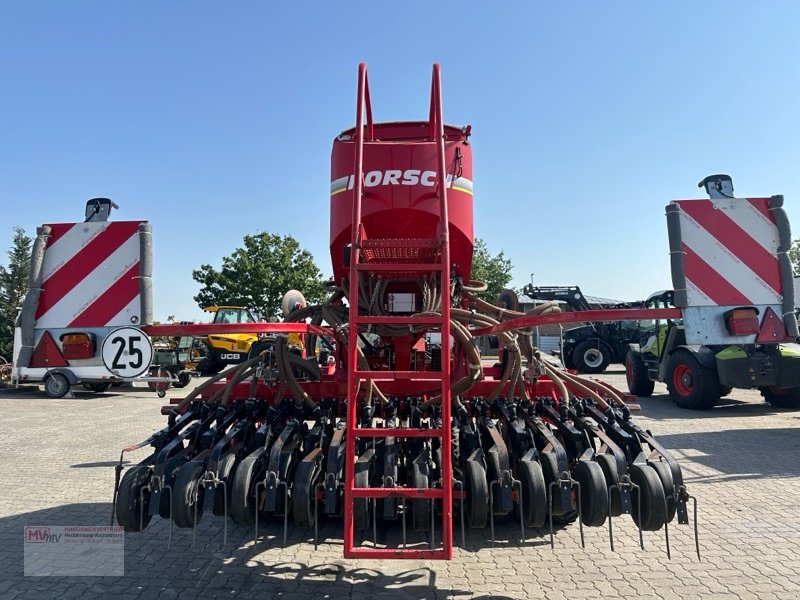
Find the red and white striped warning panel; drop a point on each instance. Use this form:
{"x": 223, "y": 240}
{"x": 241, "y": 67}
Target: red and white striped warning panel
{"x": 730, "y": 252}
{"x": 90, "y": 276}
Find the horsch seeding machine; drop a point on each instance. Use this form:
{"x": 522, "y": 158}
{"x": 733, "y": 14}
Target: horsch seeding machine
{"x": 386, "y": 412}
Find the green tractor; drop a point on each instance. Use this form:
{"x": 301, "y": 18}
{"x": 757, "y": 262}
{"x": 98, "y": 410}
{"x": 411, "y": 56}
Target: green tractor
{"x": 697, "y": 376}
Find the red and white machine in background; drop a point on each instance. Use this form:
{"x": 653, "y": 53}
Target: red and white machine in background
{"x": 89, "y": 293}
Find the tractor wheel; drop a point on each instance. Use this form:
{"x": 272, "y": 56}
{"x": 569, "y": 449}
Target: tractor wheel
{"x": 420, "y": 509}
{"x": 56, "y": 385}
{"x": 183, "y": 380}
{"x": 171, "y": 468}
{"x": 591, "y": 357}
{"x": 477, "y": 490}
{"x": 304, "y": 494}
{"x": 690, "y": 384}
{"x": 132, "y": 504}
{"x": 188, "y": 494}
{"x": 361, "y": 506}
{"x": 653, "y": 502}
{"x": 97, "y": 388}
{"x": 567, "y": 360}
{"x": 533, "y": 501}
{"x": 639, "y": 383}
{"x": 665, "y": 476}
{"x": 209, "y": 366}
{"x": 225, "y": 467}
{"x": 593, "y": 493}
{"x": 244, "y": 502}
{"x": 609, "y": 466}
{"x": 782, "y": 397}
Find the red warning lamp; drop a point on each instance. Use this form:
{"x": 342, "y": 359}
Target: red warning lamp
{"x": 742, "y": 321}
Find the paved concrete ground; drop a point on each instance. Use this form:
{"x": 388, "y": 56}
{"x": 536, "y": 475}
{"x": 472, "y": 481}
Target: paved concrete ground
{"x": 742, "y": 460}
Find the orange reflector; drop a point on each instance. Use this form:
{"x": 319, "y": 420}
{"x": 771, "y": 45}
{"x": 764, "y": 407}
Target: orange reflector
{"x": 742, "y": 321}
{"x": 78, "y": 346}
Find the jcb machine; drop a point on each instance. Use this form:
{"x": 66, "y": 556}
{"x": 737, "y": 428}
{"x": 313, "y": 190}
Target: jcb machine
{"x": 230, "y": 348}
{"x": 735, "y": 287}
{"x": 380, "y": 427}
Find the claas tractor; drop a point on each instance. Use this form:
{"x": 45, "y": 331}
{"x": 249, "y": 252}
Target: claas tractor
{"x": 390, "y": 415}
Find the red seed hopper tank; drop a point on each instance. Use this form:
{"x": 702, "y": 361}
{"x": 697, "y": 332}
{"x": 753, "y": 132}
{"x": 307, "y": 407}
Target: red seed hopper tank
{"x": 400, "y": 199}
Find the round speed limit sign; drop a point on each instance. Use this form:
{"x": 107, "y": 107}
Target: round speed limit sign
{"x": 127, "y": 352}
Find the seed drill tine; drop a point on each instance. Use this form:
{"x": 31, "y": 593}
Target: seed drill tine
{"x": 195, "y": 494}
{"x": 611, "y": 491}
{"x": 491, "y": 508}
{"x": 224, "y": 512}
{"x": 639, "y": 509}
{"x": 403, "y": 504}
{"x": 432, "y": 511}
{"x": 374, "y": 502}
{"x": 285, "y": 509}
{"x": 141, "y": 513}
{"x": 580, "y": 512}
{"x": 463, "y": 531}
{"x": 521, "y": 510}
{"x": 696, "y": 535}
{"x": 666, "y": 531}
{"x": 169, "y": 539}
{"x": 260, "y": 484}
{"x": 317, "y": 488}
{"x": 117, "y": 473}
{"x": 550, "y": 511}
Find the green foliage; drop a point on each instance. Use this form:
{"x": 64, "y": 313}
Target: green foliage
{"x": 794, "y": 256}
{"x": 494, "y": 271}
{"x": 259, "y": 274}
{"x": 13, "y": 285}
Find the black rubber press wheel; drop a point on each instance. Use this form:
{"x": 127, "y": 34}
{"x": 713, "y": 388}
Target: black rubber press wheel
{"x": 593, "y": 493}
{"x": 420, "y": 509}
{"x": 533, "y": 502}
{"x": 132, "y": 502}
{"x": 653, "y": 501}
{"x": 188, "y": 494}
{"x": 477, "y": 490}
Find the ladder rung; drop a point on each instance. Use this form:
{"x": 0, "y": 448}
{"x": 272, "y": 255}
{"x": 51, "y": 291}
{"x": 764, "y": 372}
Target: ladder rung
{"x": 383, "y": 553}
{"x": 399, "y": 492}
{"x": 399, "y": 375}
{"x": 402, "y": 432}
{"x": 399, "y": 320}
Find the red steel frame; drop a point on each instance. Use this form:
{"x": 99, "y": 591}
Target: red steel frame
{"x": 445, "y": 494}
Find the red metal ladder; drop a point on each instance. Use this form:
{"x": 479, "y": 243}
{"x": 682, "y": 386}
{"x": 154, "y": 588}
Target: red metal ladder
{"x": 438, "y": 263}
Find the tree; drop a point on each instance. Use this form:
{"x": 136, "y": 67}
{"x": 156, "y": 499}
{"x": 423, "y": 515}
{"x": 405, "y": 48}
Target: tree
{"x": 13, "y": 285}
{"x": 794, "y": 256}
{"x": 494, "y": 271}
{"x": 259, "y": 274}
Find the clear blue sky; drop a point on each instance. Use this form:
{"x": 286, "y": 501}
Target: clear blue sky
{"x": 215, "y": 120}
